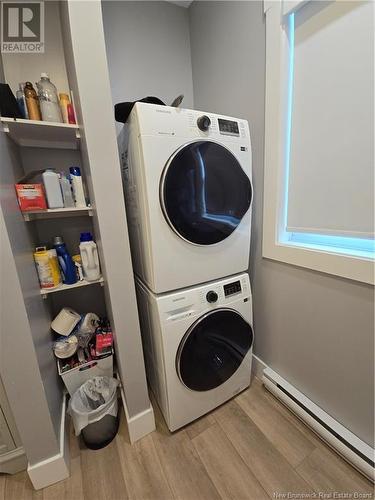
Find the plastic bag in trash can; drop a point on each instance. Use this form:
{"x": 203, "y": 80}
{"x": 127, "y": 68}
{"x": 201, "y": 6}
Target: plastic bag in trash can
{"x": 92, "y": 401}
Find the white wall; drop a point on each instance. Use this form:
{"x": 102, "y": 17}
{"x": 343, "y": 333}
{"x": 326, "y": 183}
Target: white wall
{"x": 315, "y": 330}
{"x": 148, "y": 51}
{"x": 100, "y": 160}
{"x": 35, "y": 391}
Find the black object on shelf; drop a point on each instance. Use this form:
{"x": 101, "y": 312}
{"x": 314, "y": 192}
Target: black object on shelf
{"x": 8, "y": 103}
{"x": 123, "y": 109}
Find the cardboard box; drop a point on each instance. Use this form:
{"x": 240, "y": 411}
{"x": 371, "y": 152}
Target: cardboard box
{"x": 74, "y": 378}
{"x": 31, "y": 197}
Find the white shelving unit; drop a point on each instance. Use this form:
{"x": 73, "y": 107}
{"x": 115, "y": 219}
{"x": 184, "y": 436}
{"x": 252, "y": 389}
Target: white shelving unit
{"x": 56, "y": 213}
{"x": 38, "y": 134}
{"x": 62, "y": 288}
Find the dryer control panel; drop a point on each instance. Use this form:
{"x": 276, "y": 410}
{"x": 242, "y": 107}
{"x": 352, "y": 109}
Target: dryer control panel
{"x": 228, "y": 127}
{"x": 166, "y": 121}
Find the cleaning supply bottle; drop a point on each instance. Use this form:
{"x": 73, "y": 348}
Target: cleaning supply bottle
{"x": 89, "y": 256}
{"x": 77, "y": 185}
{"x": 52, "y": 187}
{"x": 66, "y": 190}
{"x": 64, "y": 101}
{"x": 47, "y": 267}
{"x": 49, "y": 101}
{"x": 32, "y": 102}
{"x": 68, "y": 269}
{"x": 21, "y": 101}
{"x": 71, "y": 114}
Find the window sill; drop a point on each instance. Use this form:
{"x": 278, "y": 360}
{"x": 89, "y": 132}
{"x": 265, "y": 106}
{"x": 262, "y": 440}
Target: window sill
{"x": 321, "y": 258}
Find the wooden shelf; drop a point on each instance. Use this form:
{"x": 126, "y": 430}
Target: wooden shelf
{"x": 40, "y": 134}
{"x": 62, "y": 288}
{"x": 52, "y": 213}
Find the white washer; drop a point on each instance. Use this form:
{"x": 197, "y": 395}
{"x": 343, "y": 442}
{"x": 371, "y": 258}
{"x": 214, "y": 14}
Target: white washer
{"x": 198, "y": 346}
{"x": 188, "y": 195}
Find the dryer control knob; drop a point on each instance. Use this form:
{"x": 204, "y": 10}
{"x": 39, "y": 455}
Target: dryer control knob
{"x": 203, "y": 122}
{"x": 212, "y": 296}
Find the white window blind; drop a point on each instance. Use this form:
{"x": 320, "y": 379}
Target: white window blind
{"x": 331, "y": 167}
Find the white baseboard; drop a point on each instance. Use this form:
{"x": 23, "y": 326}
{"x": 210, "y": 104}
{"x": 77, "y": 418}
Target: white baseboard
{"x": 56, "y": 468}
{"x": 355, "y": 451}
{"x": 141, "y": 424}
{"x": 257, "y": 367}
{"x": 13, "y": 461}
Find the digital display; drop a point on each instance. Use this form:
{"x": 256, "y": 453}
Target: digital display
{"x": 227, "y": 127}
{"x": 232, "y": 288}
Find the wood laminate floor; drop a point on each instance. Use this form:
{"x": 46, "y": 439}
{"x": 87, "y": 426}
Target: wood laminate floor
{"x": 250, "y": 448}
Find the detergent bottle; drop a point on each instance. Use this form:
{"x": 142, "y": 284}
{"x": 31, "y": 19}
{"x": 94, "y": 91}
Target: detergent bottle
{"x": 89, "y": 256}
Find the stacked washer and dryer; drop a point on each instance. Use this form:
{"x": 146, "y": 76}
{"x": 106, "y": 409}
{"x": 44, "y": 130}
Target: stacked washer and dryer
{"x": 187, "y": 186}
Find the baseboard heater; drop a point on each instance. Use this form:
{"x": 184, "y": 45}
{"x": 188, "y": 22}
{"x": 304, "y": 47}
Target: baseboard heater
{"x": 359, "y": 454}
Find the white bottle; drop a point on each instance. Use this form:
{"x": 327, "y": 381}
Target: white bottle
{"x": 48, "y": 99}
{"x": 77, "y": 186}
{"x": 52, "y": 187}
{"x": 66, "y": 190}
{"x": 89, "y": 257}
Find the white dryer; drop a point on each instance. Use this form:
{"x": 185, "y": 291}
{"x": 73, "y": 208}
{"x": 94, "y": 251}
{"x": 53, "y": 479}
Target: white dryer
{"x": 198, "y": 346}
{"x": 187, "y": 182}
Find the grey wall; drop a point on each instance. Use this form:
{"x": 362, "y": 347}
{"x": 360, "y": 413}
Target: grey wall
{"x": 148, "y": 50}
{"x": 314, "y": 329}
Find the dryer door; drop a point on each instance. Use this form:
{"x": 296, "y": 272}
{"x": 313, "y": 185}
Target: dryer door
{"x": 212, "y": 349}
{"x": 204, "y": 192}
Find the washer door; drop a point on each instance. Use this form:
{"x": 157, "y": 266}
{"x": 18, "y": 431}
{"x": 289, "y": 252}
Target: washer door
{"x": 213, "y": 349}
{"x": 204, "y": 192}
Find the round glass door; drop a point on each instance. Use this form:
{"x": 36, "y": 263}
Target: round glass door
{"x": 204, "y": 193}
{"x": 213, "y": 349}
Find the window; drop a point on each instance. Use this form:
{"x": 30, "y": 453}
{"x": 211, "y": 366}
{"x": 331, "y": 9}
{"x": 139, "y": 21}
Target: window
{"x": 319, "y": 158}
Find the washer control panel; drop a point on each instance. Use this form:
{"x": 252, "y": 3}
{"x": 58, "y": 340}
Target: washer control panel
{"x": 192, "y": 302}
{"x": 232, "y": 288}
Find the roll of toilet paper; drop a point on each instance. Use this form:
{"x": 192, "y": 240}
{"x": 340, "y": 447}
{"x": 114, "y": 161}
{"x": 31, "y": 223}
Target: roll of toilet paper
{"x": 65, "y": 321}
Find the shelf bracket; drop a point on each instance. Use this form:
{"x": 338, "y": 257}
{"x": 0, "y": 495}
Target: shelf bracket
{"x": 5, "y": 127}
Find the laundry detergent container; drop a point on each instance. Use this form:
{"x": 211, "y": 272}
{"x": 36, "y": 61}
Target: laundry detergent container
{"x": 94, "y": 410}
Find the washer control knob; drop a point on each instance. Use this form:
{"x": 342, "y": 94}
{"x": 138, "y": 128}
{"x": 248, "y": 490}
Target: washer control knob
{"x": 203, "y": 122}
{"x": 211, "y": 297}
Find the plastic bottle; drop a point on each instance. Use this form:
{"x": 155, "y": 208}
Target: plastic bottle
{"x": 47, "y": 267}
{"x": 66, "y": 190}
{"x": 78, "y": 263}
{"x": 64, "y": 101}
{"x": 49, "y": 102}
{"x": 54, "y": 263}
{"x": 32, "y": 102}
{"x": 89, "y": 256}
{"x": 67, "y": 267}
{"x": 77, "y": 185}
{"x": 52, "y": 187}
{"x": 20, "y": 95}
{"x": 71, "y": 114}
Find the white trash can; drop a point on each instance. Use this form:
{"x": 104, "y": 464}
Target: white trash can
{"x": 94, "y": 410}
